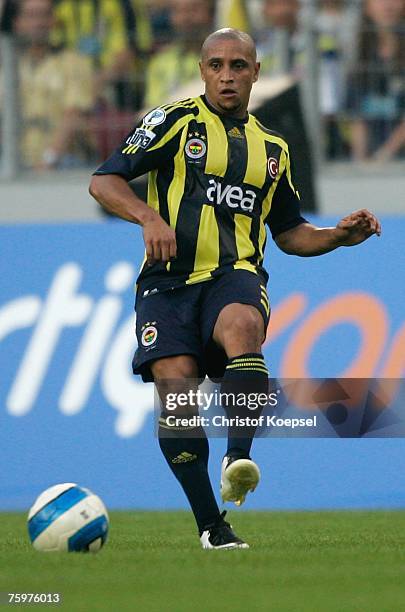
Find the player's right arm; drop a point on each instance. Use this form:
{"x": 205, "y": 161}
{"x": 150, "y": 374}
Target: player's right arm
{"x": 153, "y": 142}
{"x": 116, "y": 197}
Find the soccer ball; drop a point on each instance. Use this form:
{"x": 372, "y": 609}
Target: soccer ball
{"x": 67, "y": 517}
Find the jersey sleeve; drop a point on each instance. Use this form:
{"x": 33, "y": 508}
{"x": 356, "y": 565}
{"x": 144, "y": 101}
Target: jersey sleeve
{"x": 285, "y": 207}
{"x": 148, "y": 146}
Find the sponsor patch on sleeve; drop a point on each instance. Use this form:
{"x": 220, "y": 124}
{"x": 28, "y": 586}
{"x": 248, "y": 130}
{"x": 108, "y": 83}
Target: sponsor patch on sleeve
{"x": 140, "y": 138}
{"x": 155, "y": 117}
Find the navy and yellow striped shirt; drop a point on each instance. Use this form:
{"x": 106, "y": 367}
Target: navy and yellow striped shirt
{"x": 217, "y": 181}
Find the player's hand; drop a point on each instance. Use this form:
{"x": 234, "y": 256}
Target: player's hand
{"x": 357, "y": 227}
{"x": 159, "y": 239}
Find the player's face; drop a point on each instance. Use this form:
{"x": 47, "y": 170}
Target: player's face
{"x": 229, "y": 69}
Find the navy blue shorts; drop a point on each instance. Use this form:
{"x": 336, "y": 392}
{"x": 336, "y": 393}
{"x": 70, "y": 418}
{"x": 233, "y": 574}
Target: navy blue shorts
{"x": 181, "y": 321}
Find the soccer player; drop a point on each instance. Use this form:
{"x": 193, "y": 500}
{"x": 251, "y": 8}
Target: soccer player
{"x": 217, "y": 177}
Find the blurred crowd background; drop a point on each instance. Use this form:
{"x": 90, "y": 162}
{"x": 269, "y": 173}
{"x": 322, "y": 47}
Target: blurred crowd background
{"x": 76, "y": 74}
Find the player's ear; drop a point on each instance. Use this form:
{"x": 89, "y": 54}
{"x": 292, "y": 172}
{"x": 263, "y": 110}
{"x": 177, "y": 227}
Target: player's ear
{"x": 201, "y": 70}
{"x": 256, "y": 72}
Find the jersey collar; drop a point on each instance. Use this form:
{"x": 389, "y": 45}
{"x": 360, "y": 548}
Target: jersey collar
{"x": 222, "y": 115}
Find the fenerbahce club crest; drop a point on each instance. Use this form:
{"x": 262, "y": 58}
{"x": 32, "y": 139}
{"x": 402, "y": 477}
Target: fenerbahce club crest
{"x": 195, "y": 148}
{"x": 149, "y": 334}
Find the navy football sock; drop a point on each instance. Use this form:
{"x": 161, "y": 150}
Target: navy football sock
{"x": 186, "y": 452}
{"x": 245, "y": 377}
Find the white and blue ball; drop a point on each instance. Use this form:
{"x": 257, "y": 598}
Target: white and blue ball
{"x": 67, "y": 517}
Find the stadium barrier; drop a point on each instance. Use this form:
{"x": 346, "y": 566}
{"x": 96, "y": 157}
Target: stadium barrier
{"x": 72, "y": 411}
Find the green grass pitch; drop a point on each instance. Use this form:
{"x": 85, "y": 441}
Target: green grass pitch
{"x": 298, "y": 562}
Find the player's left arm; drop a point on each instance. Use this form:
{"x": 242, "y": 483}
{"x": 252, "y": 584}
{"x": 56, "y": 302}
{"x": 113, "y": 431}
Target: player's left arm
{"x": 308, "y": 240}
{"x": 294, "y": 235}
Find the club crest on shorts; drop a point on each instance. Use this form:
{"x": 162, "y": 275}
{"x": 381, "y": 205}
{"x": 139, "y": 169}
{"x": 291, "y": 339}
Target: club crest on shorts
{"x": 195, "y": 148}
{"x": 149, "y": 334}
{"x": 272, "y": 165}
{"x": 155, "y": 117}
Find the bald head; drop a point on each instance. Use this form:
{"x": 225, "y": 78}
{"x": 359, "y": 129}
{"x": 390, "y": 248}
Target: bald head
{"x": 229, "y": 69}
{"x": 229, "y": 34}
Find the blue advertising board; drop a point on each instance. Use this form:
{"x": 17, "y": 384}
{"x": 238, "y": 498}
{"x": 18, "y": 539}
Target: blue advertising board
{"x": 72, "y": 411}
